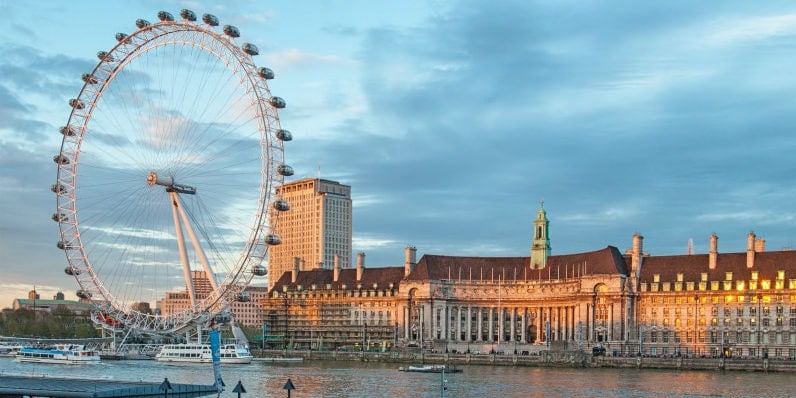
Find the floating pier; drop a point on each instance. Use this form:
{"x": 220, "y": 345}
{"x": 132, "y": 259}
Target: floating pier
{"x": 55, "y": 387}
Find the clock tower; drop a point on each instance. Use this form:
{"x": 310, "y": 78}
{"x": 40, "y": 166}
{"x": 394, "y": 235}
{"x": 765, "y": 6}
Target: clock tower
{"x": 540, "y": 249}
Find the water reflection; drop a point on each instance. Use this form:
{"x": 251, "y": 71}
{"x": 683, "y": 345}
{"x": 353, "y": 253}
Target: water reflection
{"x": 368, "y": 379}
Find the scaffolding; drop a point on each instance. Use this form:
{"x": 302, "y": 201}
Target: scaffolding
{"x": 331, "y": 319}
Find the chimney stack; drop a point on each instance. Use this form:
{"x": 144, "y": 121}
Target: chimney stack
{"x": 296, "y": 263}
{"x": 750, "y": 250}
{"x": 360, "y": 265}
{"x": 638, "y": 252}
{"x": 409, "y": 264}
{"x": 713, "y": 251}
{"x": 336, "y": 271}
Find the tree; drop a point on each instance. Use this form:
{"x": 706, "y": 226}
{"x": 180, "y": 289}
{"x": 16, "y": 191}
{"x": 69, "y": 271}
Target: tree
{"x": 142, "y": 307}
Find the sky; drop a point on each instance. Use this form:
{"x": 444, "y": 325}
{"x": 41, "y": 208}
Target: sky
{"x": 453, "y": 120}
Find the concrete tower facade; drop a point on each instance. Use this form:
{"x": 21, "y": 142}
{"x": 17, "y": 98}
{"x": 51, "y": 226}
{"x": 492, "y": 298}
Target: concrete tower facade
{"x": 315, "y": 229}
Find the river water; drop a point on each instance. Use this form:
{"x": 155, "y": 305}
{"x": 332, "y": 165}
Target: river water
{"x": 371, "y": 379}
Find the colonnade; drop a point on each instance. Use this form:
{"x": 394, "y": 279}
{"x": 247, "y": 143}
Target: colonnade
{"x": 497, "y": 323}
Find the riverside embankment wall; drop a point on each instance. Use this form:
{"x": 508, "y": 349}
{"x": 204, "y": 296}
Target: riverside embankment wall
{"x": 543, "y": 359}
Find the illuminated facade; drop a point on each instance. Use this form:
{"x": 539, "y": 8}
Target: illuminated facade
{"x": 249, "y": 313}
{"x": 315, "y": 229}
{"x": 337, "y": 308}
{"x": 632, "y": 303}
{"x": 720, "y": 304}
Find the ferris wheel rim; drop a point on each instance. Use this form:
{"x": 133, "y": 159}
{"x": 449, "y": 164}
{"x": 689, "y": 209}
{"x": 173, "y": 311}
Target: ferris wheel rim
{"x": 83, "y": 107}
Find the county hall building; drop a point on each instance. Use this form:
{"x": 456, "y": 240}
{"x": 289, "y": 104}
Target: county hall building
{"x": 739, "y": 304}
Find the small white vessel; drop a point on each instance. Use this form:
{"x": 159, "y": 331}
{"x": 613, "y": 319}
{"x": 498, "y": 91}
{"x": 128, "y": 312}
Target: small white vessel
{"x": 200, "y": 353}
{"x": 9, "y": 350}
{"x": 59, "y": 353}
{"x": 430, "y": 369}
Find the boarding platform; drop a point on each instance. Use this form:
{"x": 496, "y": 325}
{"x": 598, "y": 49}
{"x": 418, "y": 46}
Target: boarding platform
{"x": 52, "y": 387}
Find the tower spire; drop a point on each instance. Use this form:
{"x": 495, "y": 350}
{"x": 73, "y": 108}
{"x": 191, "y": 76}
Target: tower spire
{"x": 540, "y": 248}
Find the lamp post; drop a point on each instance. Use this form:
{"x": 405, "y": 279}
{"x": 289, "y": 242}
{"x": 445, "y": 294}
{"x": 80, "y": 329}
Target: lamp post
{"x": 640, "y": 340}
{"x": 759, "y": 330}
{"x": 547, "y": 333}
{"x": 696, "y": 323}
{"x": 364, "y": 335}
{"x": 286, "y": 315}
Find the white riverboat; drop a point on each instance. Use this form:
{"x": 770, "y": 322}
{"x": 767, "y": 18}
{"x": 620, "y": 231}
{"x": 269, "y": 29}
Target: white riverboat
{"x": 431, "y": 369}
{"x": 200, "y": 353}
{"x": 71, "y": 354}
{"x": 9, "y": 350}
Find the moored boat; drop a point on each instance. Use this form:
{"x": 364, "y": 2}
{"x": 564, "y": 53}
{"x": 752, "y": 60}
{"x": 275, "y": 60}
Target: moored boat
{"x": 200, "y": 353}
{"x": 9, "y": 350}
{"x": 430, "y": 369}
{"x": 60, "y": 353}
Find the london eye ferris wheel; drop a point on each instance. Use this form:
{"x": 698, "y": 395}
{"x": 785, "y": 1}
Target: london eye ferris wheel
{"x": 166, "y": 174}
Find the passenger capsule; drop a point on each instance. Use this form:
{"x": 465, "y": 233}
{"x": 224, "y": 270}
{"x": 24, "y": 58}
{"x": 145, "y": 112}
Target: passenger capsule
{"x": 104, "y": 56}
{"x": 284, "y": 170}
{"x": 284, "y": 135}
{"x": 165, "y": 16}
{"x": 68, "y": 131}
{"x": 231, "y": 31}
{"x": 225, "y": 317}
{"x": 210, "y": 19}
{"x": 244, "y": 297}
{"x": 60, "y": 159}
{"x": 60, "y": 217}
{"x": 64, "y": 245}
{"x": 277, "y": 102}
{"x": 187, "y": 15}
{"x": 265, "y": 73}
{"x": 141, "y": 23}
{"x": 120, "y": 37}
{"x": 83, "y": 294}
{"x": 259, "y": 270}
{"x": 273, "y": 239}
{"x": 89, "y": 78}
{"x": 58, "y": 188}
{"x": 70, "y": 270}
{"x": 281, "y": 205}
{"x": 76, "y": 103}
{"x": 250, "y": 49}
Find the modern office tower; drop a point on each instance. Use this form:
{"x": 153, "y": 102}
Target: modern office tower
{"x": 315, "y": 229}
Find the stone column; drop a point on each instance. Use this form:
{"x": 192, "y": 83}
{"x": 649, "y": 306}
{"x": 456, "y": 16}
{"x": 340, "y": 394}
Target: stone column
{"x": 469, "y": 323}
{"x": 407, "y": 322}
{"x": 444, "y": 322}
{"x": 491, "y": 324}
{"x": 459, "y": 324}
{"x": 539, "y": 323}
{"x": 479, "y": 326}
{"x": 513, "y": 324}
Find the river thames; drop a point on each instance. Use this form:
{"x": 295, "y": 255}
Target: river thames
{"x": 372, "y": 379}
